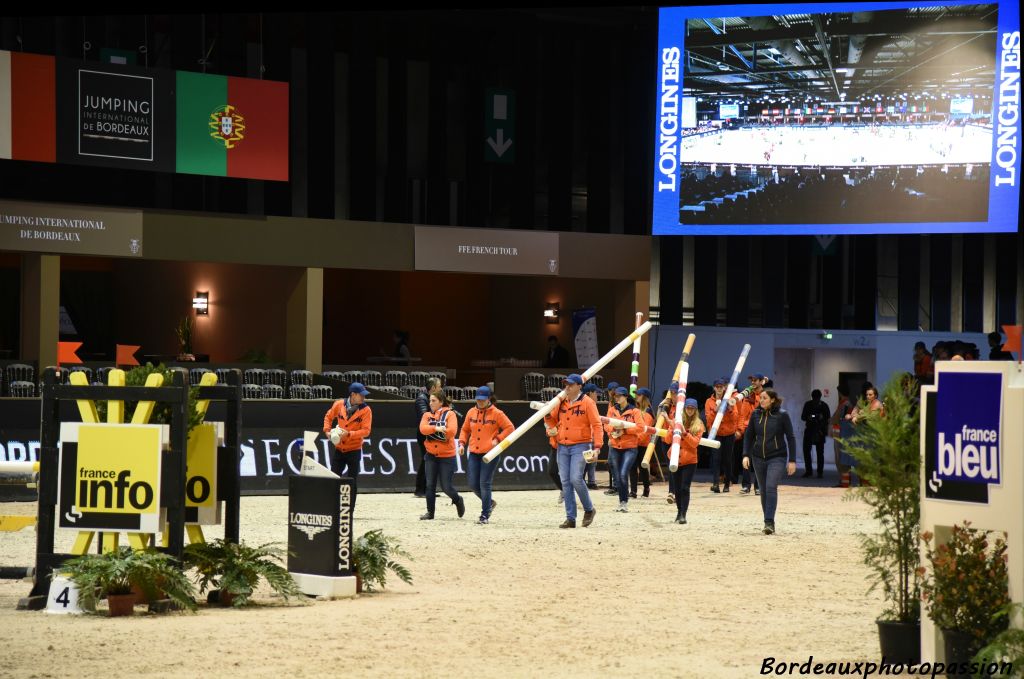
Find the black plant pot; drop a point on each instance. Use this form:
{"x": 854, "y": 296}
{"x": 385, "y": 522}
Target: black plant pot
{"x": 900, "y": 642}
{"x": 960, "y": 648}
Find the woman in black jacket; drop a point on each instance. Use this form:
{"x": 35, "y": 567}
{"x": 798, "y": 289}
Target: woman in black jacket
{"x": 770, "y": 443}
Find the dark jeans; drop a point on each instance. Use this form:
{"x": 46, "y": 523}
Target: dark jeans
{"x": 820, "y": 445}
{"x": 421, "y": 473}
{"x": 443, "y": 467}
{"x": 613, "y": 467}
{"x": 625, "y": 458}
{"x": 350, "y": 463}
{"x": 481, "y": 480}
{"x": 661, "y": 450}
{"x": 721, "y": 460}
{"x": 737, "y": 460}
{"x": 682, "y": 478}
{"x": 638, "y": 473}
{"x": 769, "y": 472}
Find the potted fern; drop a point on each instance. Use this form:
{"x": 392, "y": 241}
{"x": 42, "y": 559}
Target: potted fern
{"x": 114, "y": 574}
{"x": 373, "y": 555}
{"x": 886, "y": 447}
{"x": 966, "y": 586}
{"x": 235, "y": 570}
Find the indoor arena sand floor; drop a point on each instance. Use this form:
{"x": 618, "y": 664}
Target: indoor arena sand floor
{"x": 633, "y": 595}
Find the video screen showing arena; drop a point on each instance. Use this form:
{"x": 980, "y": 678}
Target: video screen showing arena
{"x": 831, "y": 117}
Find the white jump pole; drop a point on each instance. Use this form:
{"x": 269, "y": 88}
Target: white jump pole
{"x": 553, "y": 403}
{"x": 710, "y": 441}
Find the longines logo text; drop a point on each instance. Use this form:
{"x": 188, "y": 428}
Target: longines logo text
{"x": 310, "y": 524}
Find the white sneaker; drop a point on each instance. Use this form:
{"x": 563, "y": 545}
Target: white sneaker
{"x": 623, "y": 507}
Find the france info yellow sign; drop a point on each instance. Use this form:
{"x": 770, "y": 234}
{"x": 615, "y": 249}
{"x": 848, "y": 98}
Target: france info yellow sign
{"x": 110, "y": 477}
{"x": 201, "y": 504}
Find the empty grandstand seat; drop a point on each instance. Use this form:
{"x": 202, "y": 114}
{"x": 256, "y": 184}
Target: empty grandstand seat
{"x": 222, "y": 375}
{"x": 409, "y": 391}
{"x": 418, "y": 377}
{"x": 554, "y": 380}
{"x": 387, "y": 389}
{"x": 20, "y": 373}
{"x": 195, "y": 375}
{"x": 302, "y": 377}
{"x": 334, "y": 375}
{"x": 252, "y": 391}
{"x": 276, "y": 376}
{"x": 300, "y": 391}
{"x": 548, "y": 393}
{"x": 257, "y": 376}
{"x": 439, "y": 375}
{"x": 23, "y": 389}
{"x": 322, "y": 391}
{"x": 598, "y": 380}
{"x": 81, "y": 369}
{"x": 395, "y": 378}
{"x": 456, "y": 393}
{"x": 272, "y": 391}
{"x": 352, "y": 376}
{"x": 532, "y": 384}
{"x": 373, "y": 378}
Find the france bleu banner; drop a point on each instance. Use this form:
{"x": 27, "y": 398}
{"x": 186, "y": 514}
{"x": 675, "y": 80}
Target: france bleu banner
{"x": 963, "y": 442}
{"x": 584, "y": 332}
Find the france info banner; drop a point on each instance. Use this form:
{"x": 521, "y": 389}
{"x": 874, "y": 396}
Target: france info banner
{"x": 963, "y": 457}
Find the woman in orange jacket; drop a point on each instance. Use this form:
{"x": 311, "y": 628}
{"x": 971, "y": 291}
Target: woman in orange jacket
{"x": 485, "y": 427}
{"x": 637, "y": 474}
{"x": 623, "y": 441}
{"x": 693, "y": 429}
{"x": 721, "y": 458}
{"x": 347, "y": 423}
{"x": 439, "y": 425}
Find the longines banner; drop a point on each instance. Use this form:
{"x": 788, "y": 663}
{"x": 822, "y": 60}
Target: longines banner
{"x": 271, "y": 445}
{"x": 492, "y": 251}
{"x": 70, "y": 229}
{"x": 108, "y": 115}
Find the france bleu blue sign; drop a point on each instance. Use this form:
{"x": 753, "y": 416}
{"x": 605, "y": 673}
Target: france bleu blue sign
{"x": 964, "y": 439}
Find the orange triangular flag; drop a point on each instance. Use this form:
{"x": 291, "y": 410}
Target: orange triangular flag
{"x": 66, "y": 352}
{"x": 126, "y": 354}
{"x": 1013, "y": 333}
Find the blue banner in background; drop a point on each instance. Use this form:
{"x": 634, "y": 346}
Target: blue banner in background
{"x": 584, "y": 332}
{"x": 968, "y": 408}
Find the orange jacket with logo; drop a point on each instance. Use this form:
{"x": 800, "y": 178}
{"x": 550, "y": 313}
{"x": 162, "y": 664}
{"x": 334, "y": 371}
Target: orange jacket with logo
{"x": 745, "y": 407}
{"x": 688, "y": 449}
{"x": 577, "y": 422}
{"x": 629, "y": 438}
{"x": 438, "y": 444}
{"x": 728, "y": 426}
{"x": 484, "y": 428}
{"x": 358, "y": 426}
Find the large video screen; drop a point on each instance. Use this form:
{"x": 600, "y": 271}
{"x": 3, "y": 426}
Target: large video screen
{"x": 838, "y": 118}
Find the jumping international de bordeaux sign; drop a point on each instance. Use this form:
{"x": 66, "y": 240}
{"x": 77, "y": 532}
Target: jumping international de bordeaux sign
{"x": 68, "y": 229}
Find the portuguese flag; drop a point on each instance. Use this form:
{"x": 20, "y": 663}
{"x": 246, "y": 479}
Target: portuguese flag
{"x": 232, "y": 127}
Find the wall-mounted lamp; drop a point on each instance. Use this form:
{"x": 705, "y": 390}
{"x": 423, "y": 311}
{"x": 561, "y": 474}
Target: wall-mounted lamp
{"x": 201, "y": 303}
{"x": 551, "y": 312}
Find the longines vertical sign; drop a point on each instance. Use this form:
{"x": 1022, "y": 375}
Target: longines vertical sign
{"x": 493, "y": 251}
{"x": 69, "y": 229}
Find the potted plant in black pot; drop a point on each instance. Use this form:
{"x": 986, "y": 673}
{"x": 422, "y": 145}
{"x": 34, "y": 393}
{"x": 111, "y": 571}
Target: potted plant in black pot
{"x": 965, "y": 586}
{"x": 234, "y": 570}
{"x": 114, "y": 574}
{"x": 886, "y": 446}
{"x": 373, "y": 555}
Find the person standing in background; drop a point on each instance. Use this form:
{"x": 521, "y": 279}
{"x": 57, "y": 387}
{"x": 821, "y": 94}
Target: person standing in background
{"x": 440, "y": 425}
{"x": 842, "y": 428}
{"x": 995, "y": 348}
{"x": 643, "y": 404}
{"x": 347, "y": 423}
{"x": 557, "y": 356}
{"x": 815, "y": 416}
{"x": 624, "y": 441}
{"x": 591, "y": 390}
{"x": 721, "y": 458}
{"x": 924, "y": 370}
{"x": 422, "y": 405}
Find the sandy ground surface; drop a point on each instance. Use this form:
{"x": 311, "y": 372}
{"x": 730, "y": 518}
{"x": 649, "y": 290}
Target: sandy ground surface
{"x": 634, "y": 595}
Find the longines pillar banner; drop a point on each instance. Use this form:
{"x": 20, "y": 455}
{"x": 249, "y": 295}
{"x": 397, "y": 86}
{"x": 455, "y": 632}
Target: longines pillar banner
{"x": 57, "y": 110}
{"x": 70, "y": 229}
{"x": 584, "y": 332}
{"x": 490, "y": 251}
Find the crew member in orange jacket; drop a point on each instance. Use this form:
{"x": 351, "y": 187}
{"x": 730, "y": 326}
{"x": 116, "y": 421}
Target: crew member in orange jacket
{"x": 721, "y": 458}
{"x": 485, "y": 427}
{"x": 693, "y": 429}
{"x": 623, "y": 441}
{"x": 439, "y": 425}
{"x": 746, "y": 402}
{"x": 577, "y": 427}
{"x": 347, "y": 423}
{"x": 643, "y": 404}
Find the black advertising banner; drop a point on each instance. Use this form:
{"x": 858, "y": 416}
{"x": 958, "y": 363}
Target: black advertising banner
{"x": 115, "y": 116}
{"x": 271, "y": 443}
{"x": 320, "y": 526}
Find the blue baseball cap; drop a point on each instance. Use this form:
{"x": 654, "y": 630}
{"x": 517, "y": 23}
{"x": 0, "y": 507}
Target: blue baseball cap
{"x": 573, "y": 379}
{"x": 690, "y": 403}
{"x": 721, "y": 380}
{"x": 644, "y": 391}
{"x": 483, "y": 393}
{"x": 590, "y": 387}
{"x": 612, "y": 386}
{"x": 621, "y": 391}
{"x": 358, "y": 388}
{"x": 673, "y": 385}
{"x": 757, "y": 376}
